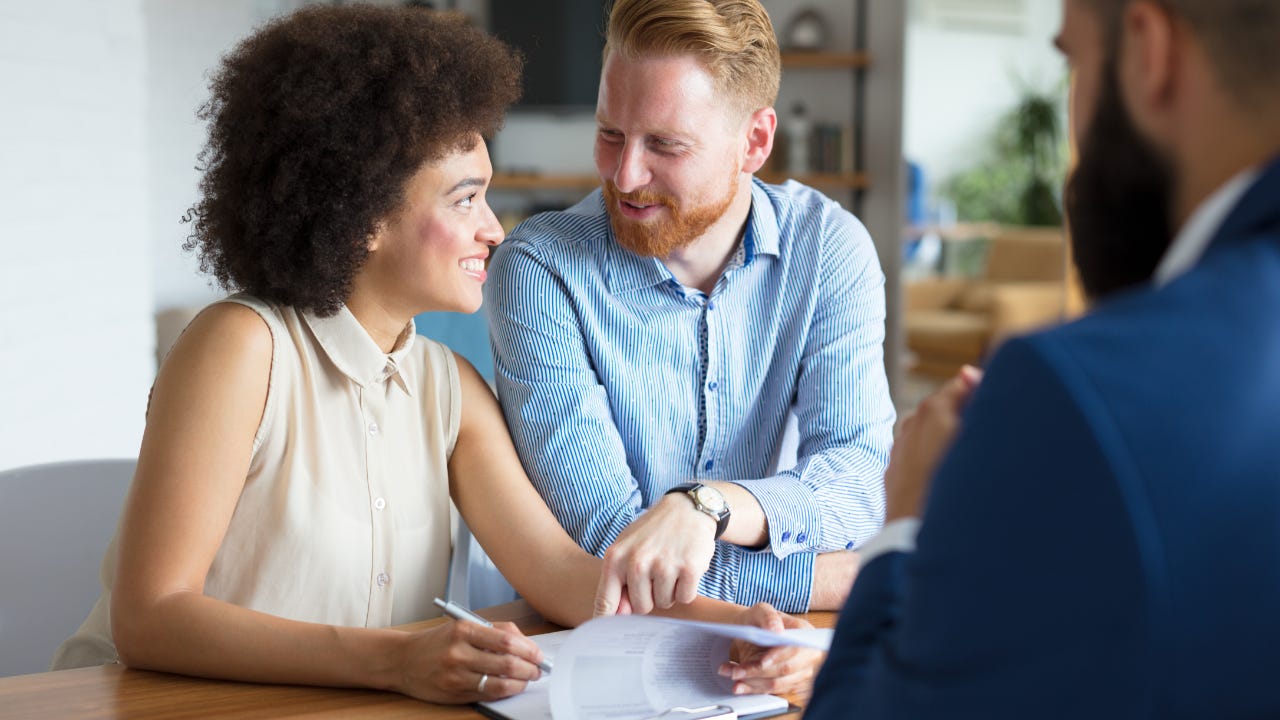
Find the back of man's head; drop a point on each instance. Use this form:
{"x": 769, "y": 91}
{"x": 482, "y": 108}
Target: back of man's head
{"x": 734, "y": 40}
{"x": 1141, "y": 172}
{"x": 1241, "y": 39}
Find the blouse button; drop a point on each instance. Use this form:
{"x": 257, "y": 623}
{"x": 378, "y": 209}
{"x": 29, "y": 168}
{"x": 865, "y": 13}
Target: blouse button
{"x": 373, "y": 428}
{"x": 379, "y": 503}
{"x": 383, "y": 579}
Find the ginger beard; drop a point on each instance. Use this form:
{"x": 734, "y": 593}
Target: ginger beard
{"x": 676, "y": 228}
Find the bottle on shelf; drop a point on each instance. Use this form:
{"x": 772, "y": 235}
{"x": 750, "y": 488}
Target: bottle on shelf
{"x": 797, "y": 130}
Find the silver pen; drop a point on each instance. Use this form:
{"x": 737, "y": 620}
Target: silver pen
{"x": 457, "y": 612}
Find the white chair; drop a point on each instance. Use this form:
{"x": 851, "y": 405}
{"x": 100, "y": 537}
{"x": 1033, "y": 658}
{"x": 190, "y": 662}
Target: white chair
{"x": 55, "y": 523}
{"x": 474, "y": 581}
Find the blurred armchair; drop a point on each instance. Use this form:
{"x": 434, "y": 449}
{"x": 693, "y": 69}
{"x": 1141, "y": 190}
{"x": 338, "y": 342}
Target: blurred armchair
{"x": 953, "y": 321}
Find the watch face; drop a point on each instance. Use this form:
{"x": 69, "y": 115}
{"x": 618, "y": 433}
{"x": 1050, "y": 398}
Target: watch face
{"x": 710, "y": 498}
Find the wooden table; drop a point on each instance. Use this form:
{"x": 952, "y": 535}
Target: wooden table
{"x": 113, "y": 691}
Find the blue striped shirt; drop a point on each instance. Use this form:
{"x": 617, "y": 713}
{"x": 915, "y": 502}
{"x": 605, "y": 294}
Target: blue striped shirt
{"x": 619, "y": 383}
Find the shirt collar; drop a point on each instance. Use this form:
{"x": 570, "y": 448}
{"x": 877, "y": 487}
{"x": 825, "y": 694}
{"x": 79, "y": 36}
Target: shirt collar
{"x": 356, "y": 355}
{"x": 762, "y": 224}
{"x": 629, "y": 271}
{"x": 1196, "y": 234}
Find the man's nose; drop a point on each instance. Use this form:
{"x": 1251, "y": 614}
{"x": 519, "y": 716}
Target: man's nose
{"x": 633, "y": 172}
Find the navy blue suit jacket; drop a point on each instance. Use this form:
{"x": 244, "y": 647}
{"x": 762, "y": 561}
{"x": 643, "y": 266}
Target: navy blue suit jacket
{"x": 1103, "y": 539}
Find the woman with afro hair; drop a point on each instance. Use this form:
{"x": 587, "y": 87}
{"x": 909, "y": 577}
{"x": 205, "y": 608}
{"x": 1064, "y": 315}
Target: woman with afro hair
{"x": 292, "y": 495}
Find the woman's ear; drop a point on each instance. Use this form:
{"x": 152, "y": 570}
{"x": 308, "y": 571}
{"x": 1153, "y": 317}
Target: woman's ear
{"x": 375, "y": 237}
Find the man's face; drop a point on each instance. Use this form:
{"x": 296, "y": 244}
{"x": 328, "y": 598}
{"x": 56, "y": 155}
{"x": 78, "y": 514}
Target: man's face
{"x": 668, "y": 149}
{"x": 1119, "y": 198}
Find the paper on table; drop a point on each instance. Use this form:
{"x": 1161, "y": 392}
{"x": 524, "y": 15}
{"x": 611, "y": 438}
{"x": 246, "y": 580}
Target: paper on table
{"x": 630, "y": 667}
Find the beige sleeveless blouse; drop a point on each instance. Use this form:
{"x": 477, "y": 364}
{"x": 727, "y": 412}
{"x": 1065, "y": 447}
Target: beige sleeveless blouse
{"x": 345, "y": 515}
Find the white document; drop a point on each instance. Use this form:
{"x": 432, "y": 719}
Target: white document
{"x": 634, "y": 667}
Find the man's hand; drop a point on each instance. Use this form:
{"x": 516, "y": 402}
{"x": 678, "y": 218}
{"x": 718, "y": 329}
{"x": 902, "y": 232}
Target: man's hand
{"x": 923, "y": 439}
{"x": 658, "y": 560}
{"x": 755, "y": 669}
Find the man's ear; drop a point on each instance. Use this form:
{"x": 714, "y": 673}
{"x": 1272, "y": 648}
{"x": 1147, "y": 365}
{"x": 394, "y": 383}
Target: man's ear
{"x": 761, "y": 127}
{"x": 1150, "y": 62}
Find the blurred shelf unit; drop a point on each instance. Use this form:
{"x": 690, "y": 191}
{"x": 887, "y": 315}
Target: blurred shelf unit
{"x": 825, "y": 151}
{"x": 829, "y": 60}
{"x": 851, "y": 179}
{"x": 835, "y": 157}
{"x": 543, "y": 181}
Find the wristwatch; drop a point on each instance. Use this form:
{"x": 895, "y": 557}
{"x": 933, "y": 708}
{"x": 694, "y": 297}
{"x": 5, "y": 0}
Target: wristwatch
{"x": 707, "y": 500}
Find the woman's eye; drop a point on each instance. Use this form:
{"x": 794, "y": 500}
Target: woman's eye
{"x": 467, "y": 201}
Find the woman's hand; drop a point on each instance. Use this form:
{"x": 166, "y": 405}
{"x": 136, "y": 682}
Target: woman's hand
{"x": 447, "y": 663}
{"x": 756, "y": 669}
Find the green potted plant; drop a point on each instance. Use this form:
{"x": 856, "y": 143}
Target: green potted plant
{"x": 1018, "y": 182}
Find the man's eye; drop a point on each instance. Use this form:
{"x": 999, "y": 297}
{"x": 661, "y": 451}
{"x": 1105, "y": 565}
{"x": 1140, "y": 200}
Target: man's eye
{"x": 665, "y": 146}
{"x": 610, "y": 135}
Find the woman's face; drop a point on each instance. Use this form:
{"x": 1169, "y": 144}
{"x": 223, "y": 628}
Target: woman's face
{"x": 431, "y": 255}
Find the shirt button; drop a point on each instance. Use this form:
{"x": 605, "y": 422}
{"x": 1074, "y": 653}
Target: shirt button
{"x": 712, "y": 385}
{"x": 379, "y": 503}
{"x": 786, "y": 535}
{"x": 711, "y": 306}
{"x": 801, "y": 537}
{"x": 383, "y": 579}
{"x": 848, "y": 545}
{"x": 710, "y": 464}
{"x": 373, "y": 428}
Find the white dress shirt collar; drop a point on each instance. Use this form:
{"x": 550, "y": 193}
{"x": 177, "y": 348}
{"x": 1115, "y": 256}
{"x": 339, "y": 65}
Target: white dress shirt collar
{"x": 1194, "y": 237}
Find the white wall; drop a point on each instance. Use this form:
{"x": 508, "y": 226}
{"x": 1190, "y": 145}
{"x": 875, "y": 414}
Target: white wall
{"x": 76, "y": 332}
{"x": 960, "y": 81}
{"x": 185, "y": 39}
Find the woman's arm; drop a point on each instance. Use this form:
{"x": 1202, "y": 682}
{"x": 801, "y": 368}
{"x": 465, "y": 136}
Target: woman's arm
{"x": 205, "y": 409}
{"x": 509, "y": 518}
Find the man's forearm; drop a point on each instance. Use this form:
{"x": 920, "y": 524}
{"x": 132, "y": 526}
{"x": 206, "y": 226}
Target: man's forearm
{"x": 833, "y": 576}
